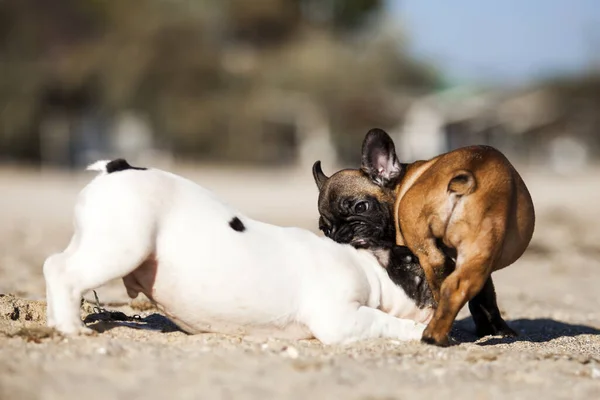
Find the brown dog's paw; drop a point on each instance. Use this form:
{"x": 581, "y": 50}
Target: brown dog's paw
{"x": 443, "y": 342}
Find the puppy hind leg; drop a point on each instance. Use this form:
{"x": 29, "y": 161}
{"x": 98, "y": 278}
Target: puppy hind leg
{"x": 62, "y": 302}
{"x": 49, "y": 311}
{"x": 52, "y": 269}
{"x": 459, "y": 287}
{"x": 486, "y": 314}
{"x": 359, "y": 323}
{"x": 90, "y": 266}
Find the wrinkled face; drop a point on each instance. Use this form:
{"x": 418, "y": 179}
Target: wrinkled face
{"x": 356, "y": 207}
{"x": 354, "y": 210}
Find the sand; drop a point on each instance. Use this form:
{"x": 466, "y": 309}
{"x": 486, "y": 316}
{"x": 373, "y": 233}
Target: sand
{"x": 551, "y": 296}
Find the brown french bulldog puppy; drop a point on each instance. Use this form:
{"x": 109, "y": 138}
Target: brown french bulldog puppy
{"x": 464, "y": 214}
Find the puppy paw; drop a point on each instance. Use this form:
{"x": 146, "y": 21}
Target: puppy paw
{"x": 500, "y": 328}
{"x": 79, "y": 330}
{"x": 504, "y": 330}
{"x": 85, "y": 331}
{"x": 444, "y": 341}
{"x": 508, "y": 333}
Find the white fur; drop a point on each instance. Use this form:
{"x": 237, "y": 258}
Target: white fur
{"x": 170, "y": 239}
{"x": 99, "y": 166}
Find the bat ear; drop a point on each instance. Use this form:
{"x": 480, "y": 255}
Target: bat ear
{"x": 379, "y": 159}
{"x": 320, "y": 177}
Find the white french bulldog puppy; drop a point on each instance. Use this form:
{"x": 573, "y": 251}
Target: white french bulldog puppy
{"x": 212, "y": 269}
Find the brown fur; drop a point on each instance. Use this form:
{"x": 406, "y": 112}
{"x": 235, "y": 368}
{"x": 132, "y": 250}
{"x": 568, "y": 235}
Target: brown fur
{"x": 488, "y": 221}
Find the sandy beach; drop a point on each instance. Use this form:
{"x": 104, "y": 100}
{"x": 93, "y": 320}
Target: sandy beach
{"x": 551, "y": 296}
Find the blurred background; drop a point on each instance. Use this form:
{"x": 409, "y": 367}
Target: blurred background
{"x": 286, "y": 82}
{"x": 243, "y": 96}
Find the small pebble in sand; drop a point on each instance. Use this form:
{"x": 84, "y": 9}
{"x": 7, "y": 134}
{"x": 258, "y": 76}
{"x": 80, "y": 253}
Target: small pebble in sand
{"x": 595, "y": 373}
{"x": 101, "y": 350}
{"x": 290, "y": 351}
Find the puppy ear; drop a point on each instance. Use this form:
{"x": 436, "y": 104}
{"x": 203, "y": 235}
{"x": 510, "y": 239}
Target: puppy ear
{"x": 320, "y": 177}
{"x": 379, "y": 159}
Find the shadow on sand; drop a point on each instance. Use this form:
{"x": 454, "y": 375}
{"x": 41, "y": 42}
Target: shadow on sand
{"x": 539, "y": 330}
{"x": 107, "y": 320}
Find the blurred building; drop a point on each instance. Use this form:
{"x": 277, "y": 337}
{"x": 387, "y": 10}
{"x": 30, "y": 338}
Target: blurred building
{"x": 538, "y": 125}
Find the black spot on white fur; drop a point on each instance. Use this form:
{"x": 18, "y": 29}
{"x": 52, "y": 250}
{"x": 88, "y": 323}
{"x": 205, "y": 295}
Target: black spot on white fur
{"x": 120, "y": 164}
{"x": 237, "y": 225}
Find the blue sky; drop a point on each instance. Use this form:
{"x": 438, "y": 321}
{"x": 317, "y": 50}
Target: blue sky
{"x": 509, "y": 41}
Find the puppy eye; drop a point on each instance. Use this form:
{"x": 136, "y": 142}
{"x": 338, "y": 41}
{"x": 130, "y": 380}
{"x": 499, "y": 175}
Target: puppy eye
{"x": 361, "y": 207}
{"x": 326, "y": 231}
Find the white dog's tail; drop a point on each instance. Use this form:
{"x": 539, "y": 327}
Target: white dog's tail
{"x": 99, "y": 166}
{"x": 108, "y": 166}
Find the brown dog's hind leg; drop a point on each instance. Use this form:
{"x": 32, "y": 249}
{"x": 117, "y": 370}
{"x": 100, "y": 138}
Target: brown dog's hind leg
{"x": 486, "y": 314}
{"x": 459, "y": 287}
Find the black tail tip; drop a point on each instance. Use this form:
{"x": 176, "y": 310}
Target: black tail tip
{"x": 120, "y": 164}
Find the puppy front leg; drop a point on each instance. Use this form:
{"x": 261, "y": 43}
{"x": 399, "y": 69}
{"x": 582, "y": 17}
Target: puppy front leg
{"x": 90, "y": 265}
{"x": 358, "y": 323}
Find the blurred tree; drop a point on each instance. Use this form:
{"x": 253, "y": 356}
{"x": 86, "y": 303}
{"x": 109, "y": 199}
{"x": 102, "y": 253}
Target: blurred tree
{"x": 201, "y": 70}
